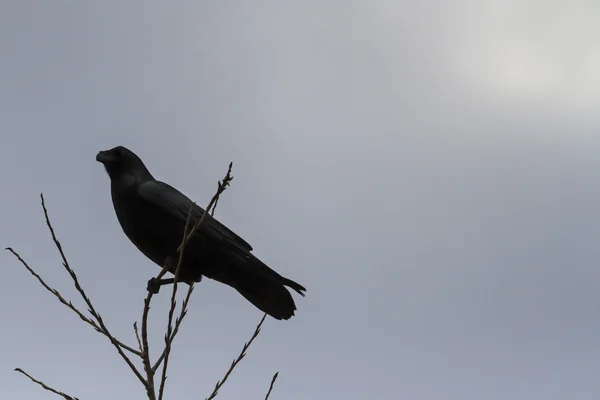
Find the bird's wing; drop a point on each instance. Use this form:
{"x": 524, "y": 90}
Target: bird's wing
{"x": 178, "y": 205}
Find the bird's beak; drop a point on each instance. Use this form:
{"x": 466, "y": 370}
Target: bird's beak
{"x": 105, "y": 157}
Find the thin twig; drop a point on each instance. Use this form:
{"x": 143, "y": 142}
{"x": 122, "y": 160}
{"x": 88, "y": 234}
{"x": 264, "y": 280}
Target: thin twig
{"x": 146, "y": 349}
{"x": 48, "y": 388}
{"x": 212, "y": 213}
{"x": 91, "y": 308}
{"x": 237, "y": 360}
{"x": 172, "y": 331}
{"x": 178, "y": 321}
{"x": 69, "y": 304}
{"x": 226, "y": 181}
{"x": 137, "y": 336}
{"x": 150, "y": 389}
{"x": 272, "y": 383}
{"x": 220, "y": 189}
{"x": 149, "y": 381}
{"x": 168, "y": 340}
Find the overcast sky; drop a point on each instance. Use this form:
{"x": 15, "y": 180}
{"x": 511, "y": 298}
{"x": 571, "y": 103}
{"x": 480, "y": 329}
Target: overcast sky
{"x": 428, "y": 172}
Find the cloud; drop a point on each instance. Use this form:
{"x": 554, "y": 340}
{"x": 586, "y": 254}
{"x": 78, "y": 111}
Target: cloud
{"x": 531, "y": 52}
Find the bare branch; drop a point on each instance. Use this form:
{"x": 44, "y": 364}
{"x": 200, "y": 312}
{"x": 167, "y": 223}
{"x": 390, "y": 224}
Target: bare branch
{"x": 172, "y": 331}
{"x": 149, "y": 382}
{"x": 237, "y": 360}
{"x": 69, "y": 304}
{"x": 143, "y": 351}
{"x": 220, "y": 189}
{"x": 91, "y": 308}
{"x": 168, "y": 340}
{"x": 48, "y": 388}
{"x": 272, "y": 383}
{"x": 54, "y": 291}
{"x": 222, "y": 186}
{"x": 178, "y": 321}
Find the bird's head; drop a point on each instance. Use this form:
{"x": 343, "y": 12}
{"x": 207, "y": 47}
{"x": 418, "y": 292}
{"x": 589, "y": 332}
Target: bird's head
{"x": 120, "y": 161}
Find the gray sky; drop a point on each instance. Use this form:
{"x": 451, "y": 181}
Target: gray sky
{"x": 428, "y": 172}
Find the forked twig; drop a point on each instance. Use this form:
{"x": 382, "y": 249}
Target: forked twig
{"x": 178, "y": 321}
{"x": 91, "y": 308}
{"x": 69, "y": 304}
{"x": 172, "y": 331}
{"x": 98, "y": 324}
{"x": 143, "y": 350}
{"x": 167, "y": 349}
{"x": 220, "y": 189}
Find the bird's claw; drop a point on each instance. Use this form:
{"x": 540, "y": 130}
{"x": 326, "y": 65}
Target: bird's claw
{"x": 153, "y": 286}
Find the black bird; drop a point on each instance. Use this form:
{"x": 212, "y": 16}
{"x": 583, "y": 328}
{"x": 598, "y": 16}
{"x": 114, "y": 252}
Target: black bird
{"x": 153, "y": 216}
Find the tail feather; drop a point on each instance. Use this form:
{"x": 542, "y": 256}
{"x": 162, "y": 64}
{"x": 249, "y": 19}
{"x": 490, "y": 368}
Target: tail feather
{"x": 272, "y": 299}
{"x": 259, "y": 284}
{"x": 265, "y": 269}
{"x": 294, "y": 285}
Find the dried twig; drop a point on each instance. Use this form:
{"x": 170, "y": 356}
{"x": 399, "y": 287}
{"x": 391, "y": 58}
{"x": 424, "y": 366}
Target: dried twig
{"x": 237, "y": 360}
{"x": 220, "y": 189}
{"x": 48, "y": 388}
{"x": 178, "y": 321}
{"x": 67, "y": 303}
{"x": 91, "y": 308}
{"x": 172, "y": 328}
{"x": 149, "y": 382}
{"x": 137, "y": 336}
{"x": 172, "y": 331}
{"x": 98, "y": 324}
{"x": 226, "y": 181}
{"x": 272, "y": 383}
{"x": 169, "y": 333}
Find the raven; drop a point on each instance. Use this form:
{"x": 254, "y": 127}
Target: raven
{"x": 153, "y": 215}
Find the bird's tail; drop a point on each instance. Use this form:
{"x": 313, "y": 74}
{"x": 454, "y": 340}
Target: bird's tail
{"x": 271, "y": 298}
{"x": 262, "y": 286}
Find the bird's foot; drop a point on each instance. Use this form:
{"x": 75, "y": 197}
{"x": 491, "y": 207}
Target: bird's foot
{"x": 154, "y": 285}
